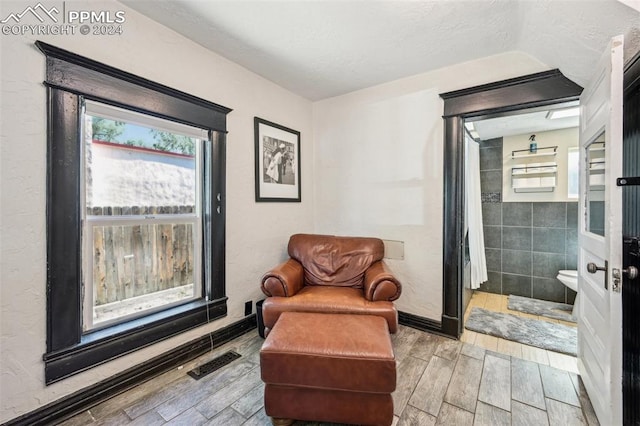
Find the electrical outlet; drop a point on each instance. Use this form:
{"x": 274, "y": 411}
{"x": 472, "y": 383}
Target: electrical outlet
{"x": 248, "y": 308}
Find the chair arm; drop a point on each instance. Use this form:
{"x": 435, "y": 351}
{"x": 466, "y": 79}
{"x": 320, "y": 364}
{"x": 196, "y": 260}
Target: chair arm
{"x": 284, "y": 280}
{"x": 380, "y": 284}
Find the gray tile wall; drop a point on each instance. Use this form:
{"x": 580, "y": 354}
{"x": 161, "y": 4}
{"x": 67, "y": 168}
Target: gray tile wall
{"x": 526, "y": 244}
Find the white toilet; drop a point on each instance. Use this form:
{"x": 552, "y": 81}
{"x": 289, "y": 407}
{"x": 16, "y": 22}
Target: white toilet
{"x": 570, "y": 279}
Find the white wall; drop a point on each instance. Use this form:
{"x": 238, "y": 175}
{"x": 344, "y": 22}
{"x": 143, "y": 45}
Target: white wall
{"x": 257, "y": 233}
{"x": 563, "y": 139}
{"x": 378, "y": 170}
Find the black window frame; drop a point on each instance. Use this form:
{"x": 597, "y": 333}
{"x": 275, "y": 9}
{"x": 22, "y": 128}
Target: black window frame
{"x": 70, "y": 79}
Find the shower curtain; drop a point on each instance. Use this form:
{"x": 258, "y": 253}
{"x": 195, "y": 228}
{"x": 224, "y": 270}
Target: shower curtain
{"x": 473, "y": 212}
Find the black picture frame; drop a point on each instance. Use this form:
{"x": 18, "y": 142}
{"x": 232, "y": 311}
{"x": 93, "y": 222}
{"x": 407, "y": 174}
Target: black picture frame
{"x": 277, "y": 162}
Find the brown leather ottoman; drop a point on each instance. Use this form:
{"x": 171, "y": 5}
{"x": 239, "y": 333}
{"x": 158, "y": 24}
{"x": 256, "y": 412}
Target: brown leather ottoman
{"x": 329, "y": 367}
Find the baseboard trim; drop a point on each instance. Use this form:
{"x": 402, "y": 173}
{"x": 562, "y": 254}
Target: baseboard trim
{"x": 419, "y": 323}
{"x": 450, "y": 326}
{"x": 90, "y": 396}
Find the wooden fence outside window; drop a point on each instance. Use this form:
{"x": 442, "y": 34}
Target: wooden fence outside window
{"x": 134, "y": 260}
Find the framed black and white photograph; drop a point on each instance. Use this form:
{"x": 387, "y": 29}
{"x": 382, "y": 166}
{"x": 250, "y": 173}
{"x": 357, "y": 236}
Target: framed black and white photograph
{"x": 277, "y": 161}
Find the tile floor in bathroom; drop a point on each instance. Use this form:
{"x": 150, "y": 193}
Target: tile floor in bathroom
{"x": 498, "y": 303}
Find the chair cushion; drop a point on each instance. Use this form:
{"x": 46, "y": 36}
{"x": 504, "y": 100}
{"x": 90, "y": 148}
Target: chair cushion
{"x": 322, "y": 299}
{"x": 335, "y": 261}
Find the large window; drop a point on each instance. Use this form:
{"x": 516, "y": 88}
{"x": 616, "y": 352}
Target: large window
{"x": 135, "y": 212}
{"x": 142, "y": 179}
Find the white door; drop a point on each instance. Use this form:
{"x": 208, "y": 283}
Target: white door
{"x": 600, "y": 237}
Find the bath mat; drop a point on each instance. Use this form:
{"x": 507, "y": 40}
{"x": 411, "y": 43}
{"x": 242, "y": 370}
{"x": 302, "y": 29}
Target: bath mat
{"x": 546, "y": 335}
{"x": 554, "y": 310}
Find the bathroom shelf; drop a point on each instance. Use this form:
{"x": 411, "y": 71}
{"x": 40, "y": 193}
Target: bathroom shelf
{"x": 547, "y": 151}
{"x": 534, "y": 187}
{"x": 534, "y": 177}
{"x": 534, "y": 169}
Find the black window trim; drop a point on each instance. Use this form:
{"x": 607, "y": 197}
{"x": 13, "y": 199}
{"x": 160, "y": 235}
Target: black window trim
{"x": 69, "y": 79}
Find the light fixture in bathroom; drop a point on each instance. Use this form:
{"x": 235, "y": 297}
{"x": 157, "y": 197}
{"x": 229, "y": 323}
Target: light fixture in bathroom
{"x": 563, "y": 113}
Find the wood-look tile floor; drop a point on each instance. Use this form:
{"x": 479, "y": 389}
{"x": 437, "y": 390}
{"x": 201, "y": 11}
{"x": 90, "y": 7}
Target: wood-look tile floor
{"x": 440, "y": 382}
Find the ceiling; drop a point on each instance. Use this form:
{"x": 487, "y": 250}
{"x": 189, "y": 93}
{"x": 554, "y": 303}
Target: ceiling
{"x": 522, "y": 122}
{"x": 320, "y": 49}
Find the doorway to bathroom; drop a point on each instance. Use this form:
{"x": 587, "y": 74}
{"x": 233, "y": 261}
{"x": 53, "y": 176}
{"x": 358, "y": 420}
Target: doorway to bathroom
{"x": 600, "y": 256}
{"x": 521, "y": 238}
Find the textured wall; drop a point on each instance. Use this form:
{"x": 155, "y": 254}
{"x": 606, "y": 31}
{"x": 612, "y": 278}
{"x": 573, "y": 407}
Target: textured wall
{"x": 119, "y": 178}
{"x": 378, "y": 155}
{"x": 257, "y": 233}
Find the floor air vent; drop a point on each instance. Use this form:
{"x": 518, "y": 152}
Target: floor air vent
{"x": 213, "y": 365}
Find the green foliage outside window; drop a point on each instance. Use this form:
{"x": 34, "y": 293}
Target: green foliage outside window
{"x": 111, "y": 131}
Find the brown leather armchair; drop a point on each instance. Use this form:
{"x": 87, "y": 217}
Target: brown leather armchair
{"x": 329, "y": 274}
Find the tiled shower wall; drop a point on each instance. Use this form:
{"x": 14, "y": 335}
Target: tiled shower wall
{"x": 526, "y": 244}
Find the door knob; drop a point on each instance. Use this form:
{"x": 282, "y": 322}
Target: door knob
{"x": 631, "y": 272}
{"x": 592, "y": 268}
